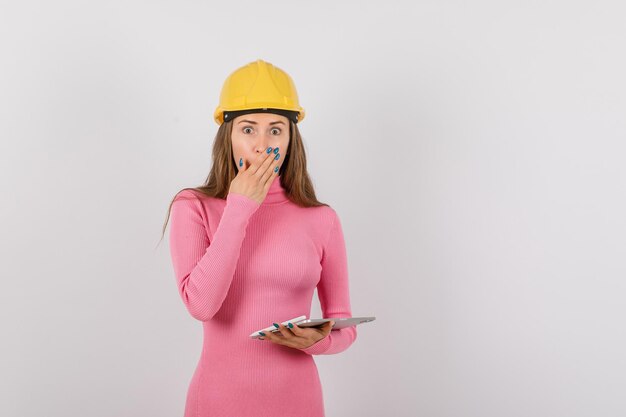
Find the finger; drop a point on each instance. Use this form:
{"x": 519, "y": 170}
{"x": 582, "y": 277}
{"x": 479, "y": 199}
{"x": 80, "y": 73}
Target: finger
{"x": 276, "y": 333}
{"x": 284, "y": 330}
{"x": 327, "y": 327}
{"x": 266, "y": 335}
{"x": 260, "y": 173}
{"x": 260, "y": 160}
{"x": 271, "y": 173}
{"x": 304, "y": 333}
{"x": 254, "y": 162}
{"x": 275, "y": 337}
{"x": 295, "y": 329}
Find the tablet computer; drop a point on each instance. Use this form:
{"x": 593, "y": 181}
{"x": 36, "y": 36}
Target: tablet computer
{"x": 340, "y": 323}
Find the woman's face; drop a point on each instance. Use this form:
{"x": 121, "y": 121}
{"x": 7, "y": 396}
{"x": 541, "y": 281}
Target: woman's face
{"x": 253, "y": 133}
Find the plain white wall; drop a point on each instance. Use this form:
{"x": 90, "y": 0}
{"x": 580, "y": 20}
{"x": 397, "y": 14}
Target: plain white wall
{"x": 474, "y": 151}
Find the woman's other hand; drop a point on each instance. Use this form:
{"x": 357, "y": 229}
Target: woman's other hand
{"x": 298, "y": 337}
{"x": 255, "y": 180}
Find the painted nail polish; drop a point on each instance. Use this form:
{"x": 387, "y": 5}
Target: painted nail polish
{"x": 276, "y": 169}
{"x": 277, "y": 156}
{"x": 290, "y": 326}
{"x": 276, "y": 150}
{"x": 262, "y": 334}
{"x": 277, "y": 326}
{"x": 269, "y": 149}
{"x": 240, "y": 162}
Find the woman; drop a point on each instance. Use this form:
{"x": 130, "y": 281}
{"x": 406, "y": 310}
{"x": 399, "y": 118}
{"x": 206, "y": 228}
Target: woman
{"x": 248, "y": 248}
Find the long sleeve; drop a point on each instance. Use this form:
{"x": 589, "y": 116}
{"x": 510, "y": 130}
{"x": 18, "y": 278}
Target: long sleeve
{"x": 334, "y": 295}
{"x": 205, "y": 269}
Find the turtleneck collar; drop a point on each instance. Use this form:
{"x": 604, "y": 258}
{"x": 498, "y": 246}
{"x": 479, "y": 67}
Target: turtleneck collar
{"x": 276, "y": 193}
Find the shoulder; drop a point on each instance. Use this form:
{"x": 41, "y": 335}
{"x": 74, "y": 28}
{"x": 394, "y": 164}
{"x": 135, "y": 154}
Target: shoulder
{"x": 191, "y": 196}
{"x": 186, "y": 194}
{"x": 186, "y": 198}
{"x": 325, "y": 218}
{"x": 330, "y": 212}
{"x": 186, "y": 203}
{"x": 323, "y": 213}
{"x": 190, "y": 202}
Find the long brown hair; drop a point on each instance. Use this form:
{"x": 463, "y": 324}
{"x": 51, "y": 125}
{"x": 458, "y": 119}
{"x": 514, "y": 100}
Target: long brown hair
{"x": 293, "y": 173}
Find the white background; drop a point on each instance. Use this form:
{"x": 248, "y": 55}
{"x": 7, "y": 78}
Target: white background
{"x": 473, "y": 150}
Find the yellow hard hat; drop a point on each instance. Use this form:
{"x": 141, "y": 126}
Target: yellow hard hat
{"x": 258, "y": 87}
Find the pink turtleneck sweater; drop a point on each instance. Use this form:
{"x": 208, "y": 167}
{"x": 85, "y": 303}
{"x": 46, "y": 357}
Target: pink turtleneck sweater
{"x": 241, "y": 266}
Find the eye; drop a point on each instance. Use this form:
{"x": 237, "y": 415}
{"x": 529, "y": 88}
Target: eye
{"x": 277, "y": 129}
{"x": 247, "y": 127}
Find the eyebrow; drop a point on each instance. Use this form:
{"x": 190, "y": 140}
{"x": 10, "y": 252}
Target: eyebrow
{"x": 254, "y": 123}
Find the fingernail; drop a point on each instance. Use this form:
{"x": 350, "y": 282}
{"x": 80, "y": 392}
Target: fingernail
{"x": 277, "y": 156}
{"x": 276, "y": 169}
{"x": 240, "y": 162}
{"x": 275, "y": 150}
{"x": 290, "y": 326}
{"x": 269, "y": 149}
{"x": 262, "y": 334}
{"x": 277, "y": 326}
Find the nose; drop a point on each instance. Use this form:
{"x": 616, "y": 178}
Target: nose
{"x": 263, "y": 143}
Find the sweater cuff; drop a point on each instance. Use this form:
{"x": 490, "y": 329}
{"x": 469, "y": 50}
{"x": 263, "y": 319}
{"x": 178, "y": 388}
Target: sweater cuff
{"x": 318, "y": 347}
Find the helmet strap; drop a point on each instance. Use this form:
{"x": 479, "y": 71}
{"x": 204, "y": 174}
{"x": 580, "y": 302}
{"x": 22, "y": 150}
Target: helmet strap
{"x": 289, "y": 114}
